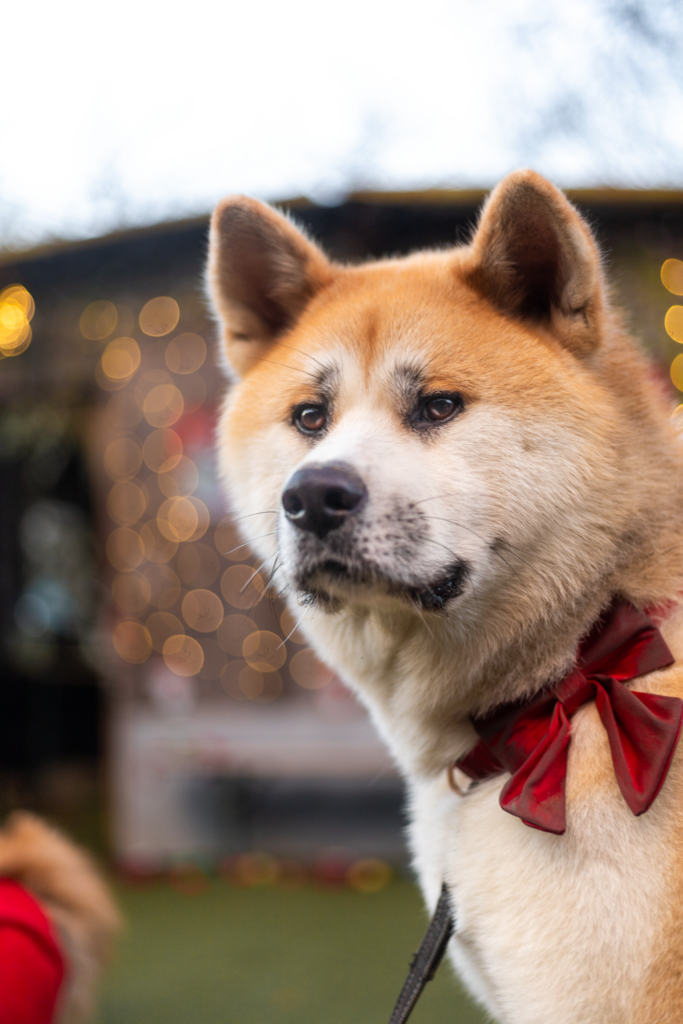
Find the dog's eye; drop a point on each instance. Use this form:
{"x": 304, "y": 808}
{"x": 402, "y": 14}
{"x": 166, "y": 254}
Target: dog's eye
{"x": 310, "y": 419}
{"x": 438, "y": 408}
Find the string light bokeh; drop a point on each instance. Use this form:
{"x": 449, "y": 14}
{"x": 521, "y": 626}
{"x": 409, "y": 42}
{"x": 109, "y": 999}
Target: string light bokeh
{"x": 16, "y": 312}
{"x": 184, "y": 592}
{"x": 672, "y": 278}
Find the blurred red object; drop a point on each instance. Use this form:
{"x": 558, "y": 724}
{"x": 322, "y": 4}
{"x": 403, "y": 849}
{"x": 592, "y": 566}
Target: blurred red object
{"x": 31, "y": 964}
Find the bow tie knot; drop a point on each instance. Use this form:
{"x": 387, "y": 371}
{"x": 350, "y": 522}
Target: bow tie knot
{"x": 530, "y": 739}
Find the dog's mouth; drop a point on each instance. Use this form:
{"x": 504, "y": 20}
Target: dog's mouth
{"x": 325, "y": 582}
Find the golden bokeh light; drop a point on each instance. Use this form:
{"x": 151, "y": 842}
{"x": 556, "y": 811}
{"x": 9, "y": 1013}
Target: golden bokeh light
{"x": 159, "y": 316}
{"x": 132, "y": 642}
{"x": 124, "y": 549}
{"x": 120, "y": 360}
{"x": 203, "y": 611}
{"x": 677, "y": 372}
{"x": 165, "y": 585}
{"x": 180, "y": 480}
{"x": 163, "y": 405}
{"x": 254, "y": 685}
{"x": 122, "y": 458}
{"x": 186, "y": 353}
{"x": 214, "y": 659}
{"x": 16, "y": 309}
{"x": 678, "y": 412}
{"x": 228, "y": 542}
{"x": 122, "y": 412}
{"x": 288, "y": 625}
{"x": 242, "y": 587}
{"x": 264, "y": 651}
{"x": 233, "y": 631}
{"x": 672, "y": 276}
{"x": 98, "y": 320}
{"x": 161, "y": 626}
{"x": 15, "y": 348}
{"x": 198, "y": 565}
{"x": 183, "y": 655}
{"x": 307, "y": 671}
{"x": 369, "y": 875}
{"x": 193, "y": 390}
{"x": 126, "y": 502}
{"x": 155, "y": 375}
{"x": 162, "y": 450}
{"x": 17, "y": 295}
{"x": 157, "y": 548}
{"x": 131, "y": 592}
{"x": 673, "y": 321}
{"x": 104, "y": 382}
{"x": 179, "y": 518}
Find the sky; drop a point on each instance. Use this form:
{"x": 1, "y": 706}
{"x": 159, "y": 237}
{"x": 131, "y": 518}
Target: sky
{"x": 140, "y": 111}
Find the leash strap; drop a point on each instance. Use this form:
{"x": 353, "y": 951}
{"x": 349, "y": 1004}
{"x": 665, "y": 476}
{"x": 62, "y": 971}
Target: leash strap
{"x": 427, "y": 959}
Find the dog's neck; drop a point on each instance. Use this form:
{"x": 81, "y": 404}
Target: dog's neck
{"x": 423, "y": 676}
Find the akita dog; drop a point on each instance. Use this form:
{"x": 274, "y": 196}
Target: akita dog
{"x": 463, "y": 472}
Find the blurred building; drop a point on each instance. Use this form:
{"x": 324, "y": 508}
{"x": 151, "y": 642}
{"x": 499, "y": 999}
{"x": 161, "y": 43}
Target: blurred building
{"x": 136, "y": 629}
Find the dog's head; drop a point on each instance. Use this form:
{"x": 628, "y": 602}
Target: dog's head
{"x": 439, "y": 430}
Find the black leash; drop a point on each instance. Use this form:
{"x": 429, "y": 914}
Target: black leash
{"x": 427, "y": 959}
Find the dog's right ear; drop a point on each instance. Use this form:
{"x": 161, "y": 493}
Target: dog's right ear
{"x": 262, "y": 273}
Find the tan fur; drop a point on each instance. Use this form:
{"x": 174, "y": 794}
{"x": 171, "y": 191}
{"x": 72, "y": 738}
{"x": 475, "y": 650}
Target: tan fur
{"x": 73, "y": 894}
{"x": 556, "y": 487}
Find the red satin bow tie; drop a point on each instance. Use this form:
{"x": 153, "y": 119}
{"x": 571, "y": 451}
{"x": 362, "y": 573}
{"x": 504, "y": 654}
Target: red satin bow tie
{"x": 530, "y": 738}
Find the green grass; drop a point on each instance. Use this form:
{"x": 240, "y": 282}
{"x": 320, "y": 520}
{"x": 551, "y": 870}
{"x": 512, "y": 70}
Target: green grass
{"x": 268, "y": 956}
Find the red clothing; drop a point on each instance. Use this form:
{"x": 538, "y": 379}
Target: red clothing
{"x": 31, "y": 964}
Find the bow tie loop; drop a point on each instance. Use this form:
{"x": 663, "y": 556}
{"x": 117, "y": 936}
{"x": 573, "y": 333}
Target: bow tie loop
{"x": 530, "y": 739}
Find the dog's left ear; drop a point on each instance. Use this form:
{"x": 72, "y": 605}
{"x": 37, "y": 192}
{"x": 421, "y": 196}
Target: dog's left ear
{"x": 262, "y": 273}
{"x": 534, "y": 257}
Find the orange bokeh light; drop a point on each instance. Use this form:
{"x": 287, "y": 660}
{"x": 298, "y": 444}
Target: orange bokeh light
{"x": 162, "y": 450}
{"x": 157, "y": 547}
{"x": 228, "y": 542}
{"x": 183, "y": 519}
{"x": 161, "y": 626}
{"x": 672, "y": 276}
{"x": 159, "y": 316}
{"x": 264, "y": 651}
{"x": 180, "y": 480}
{"x": 126, "y": 502}
{"x": 165, "y": 585}
{"x": 288, "y": 625}
{"x": 673, "y": 321}
{"x": 132, "y": 642}
{"x": 131, "y": 592}
{"x": 202, "y": 610}
{"x": 308, "y": 672}
{"x": 183, "y": 655}
{"x": 98, "y": 320}
{"x": 186, "y": 353}
{"x": 163, "y": 405}
{"x": 120, "y": 360}
{"x": 233, "y": 631}
{"x": 122, "y": 458}
{"x": 242, "y": 587}
{"x": 125, "y": 550}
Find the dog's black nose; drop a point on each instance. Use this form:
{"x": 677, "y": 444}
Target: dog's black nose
{"x": 321, "y": 498}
